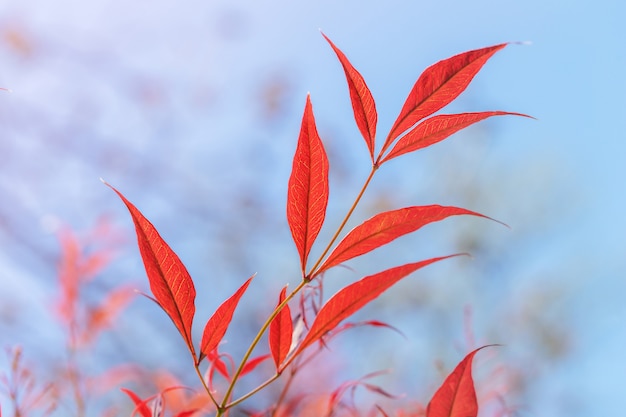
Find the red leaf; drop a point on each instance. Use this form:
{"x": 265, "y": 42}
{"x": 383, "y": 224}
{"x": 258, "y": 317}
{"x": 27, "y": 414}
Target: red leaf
{"x": 385, "y": 227}
{"x": 169, "y": 280}
{"x": 436, "y": 129}
{"x": 217, "y": 325}
{"x": 362, "y": 100}
{"x": 217, "y": 364}
{"x": 456, "y": 397}
{"x": 307, "y": 196}
{"x": 140, "y": 405}
{"x": 438, "y": 85}
{"x": 353, "y": 297}
{"x": 281, "y": 332}
{"x": 253, "y": 363}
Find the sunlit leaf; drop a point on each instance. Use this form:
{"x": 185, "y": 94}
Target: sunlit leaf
{"x": 353, "y": 297}
{"x": 385, "y": 227}
{"x": 362, "y": 100}
{"x": 456, "y": 397}
{"x": 252, "y": 364}
{"x": 141, "y": 406}
{"x": 438, "y": 85}
{"x": 217, "y": 325}
{"x": 436, "y": 129}
{"x": 307, "y": 195}
{"x": 281, "y": 332}
{"x": 170, "y": 282}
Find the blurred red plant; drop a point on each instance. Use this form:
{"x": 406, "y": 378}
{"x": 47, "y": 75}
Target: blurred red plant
{"x": 77, "y": 268}
{"x": 81, "y": 260}
{"x": 26, "y": 394}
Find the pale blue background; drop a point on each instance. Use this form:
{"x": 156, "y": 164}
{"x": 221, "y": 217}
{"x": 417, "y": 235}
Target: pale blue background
{"x": 167, "y": 101}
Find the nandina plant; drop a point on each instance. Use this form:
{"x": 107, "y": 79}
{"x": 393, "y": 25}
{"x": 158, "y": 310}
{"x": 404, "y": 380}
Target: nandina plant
{"x": 292, "y": 343}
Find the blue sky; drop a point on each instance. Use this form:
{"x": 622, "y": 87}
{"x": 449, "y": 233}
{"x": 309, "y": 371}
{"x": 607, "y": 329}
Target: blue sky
{"x": 167, "y": 93}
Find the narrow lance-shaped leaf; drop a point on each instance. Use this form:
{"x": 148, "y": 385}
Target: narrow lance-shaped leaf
{"x": 141, "y": 406}
{"x": 353, "y": 297}
{"x": 438, "y": 128}
{"x": 456, "y": 397}
{"x": 170, "y": 282}
{"x": 252, "y": 364}
{"x": 217, "y": 325}
{"x": 362, "y": 100}
{"x": 281, "y": 332}
{"x": 438, "y": 85}
{"x": 307, "y": 195}
{"x": 386, "y": 227}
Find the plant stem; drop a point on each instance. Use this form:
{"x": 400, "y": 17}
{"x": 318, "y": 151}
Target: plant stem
{"x": 255, "y": 342}
{"x": 283, "y": 392}
{"x": 206, "y": 387}
{"x": 314, "y": 270}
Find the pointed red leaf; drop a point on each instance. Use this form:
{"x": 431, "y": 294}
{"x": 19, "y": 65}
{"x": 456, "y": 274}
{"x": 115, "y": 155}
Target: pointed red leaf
{"x": 353, "y": 297}
{"x": 217, "y": 364}
{"x": 385, "y": 227}
{"x": 253, "y": 363}
{"x": 436, "y": 129}
{"x": 217, "y": 325}
{"x": 170, "y": 282}
{"x": 362, "y": 100}
{"x": 307, "y": 196}
{"x": 281, "y": 332}
{"x": 456, "y": 397}
{"x": 438, "y": 85}
{"x": 141, "y": 406}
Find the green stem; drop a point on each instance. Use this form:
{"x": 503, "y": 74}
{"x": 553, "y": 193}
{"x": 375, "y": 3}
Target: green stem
{"x": 255, "y": 342}
{"x": 283, "y": 392}
{"x": 314, "y": 270}
{"x": 206, "y": 387}
{"x": 254, "y": 391}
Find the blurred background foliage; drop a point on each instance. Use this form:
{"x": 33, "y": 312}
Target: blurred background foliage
{"x": 192, "y": 110}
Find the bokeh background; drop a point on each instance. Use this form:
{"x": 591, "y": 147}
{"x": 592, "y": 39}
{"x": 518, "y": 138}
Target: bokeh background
{"x": 192, "y": 109}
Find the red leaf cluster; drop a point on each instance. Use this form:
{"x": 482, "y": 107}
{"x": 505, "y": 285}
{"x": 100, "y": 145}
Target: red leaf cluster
{"x": 362, "y": 100}
{"x": 456, "y": 397}
{"x": 438, "y": 85}
{"x": 307, "y": 199}
{"x": 386, "y": 227}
